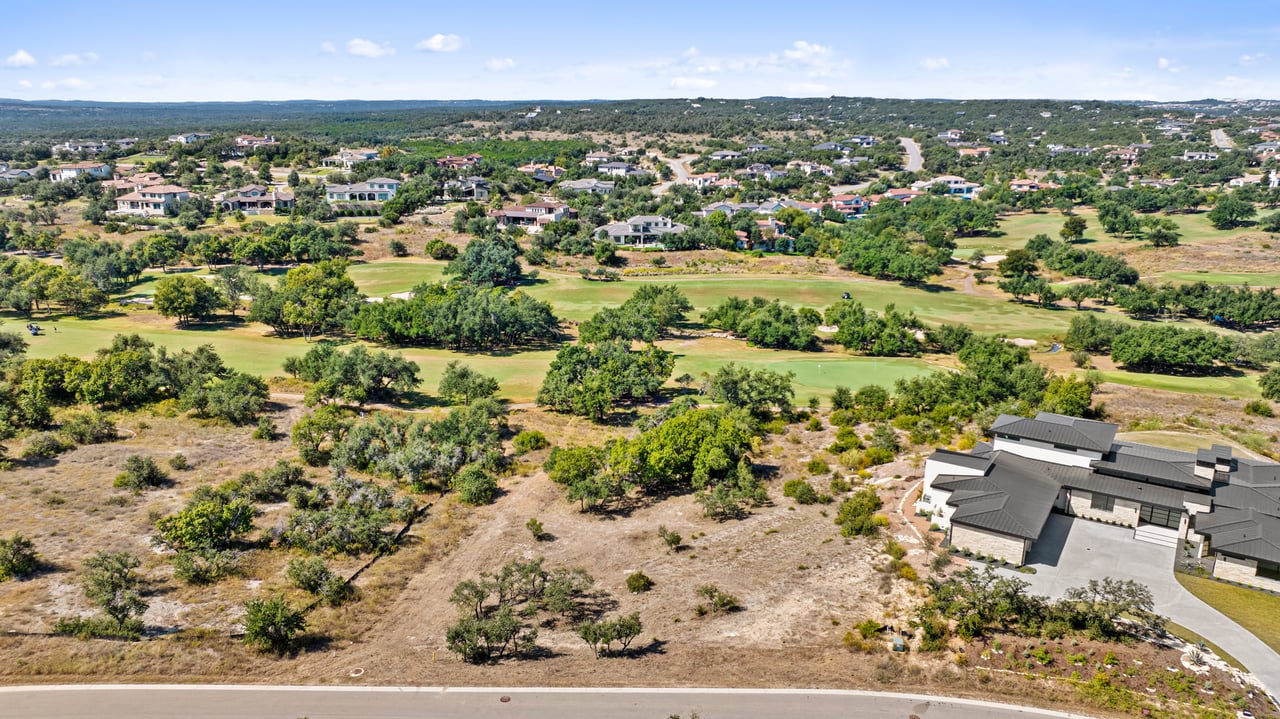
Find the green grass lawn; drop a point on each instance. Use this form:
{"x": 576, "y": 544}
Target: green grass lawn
{"x": 1245, "y": 386}
{"x": 380, "y": 279}
{"x": 1017, "y": 228}
{"x": 1181, "y": 441}
{"x": 1253, "y": 279}
{"x": 1255, "y": 611}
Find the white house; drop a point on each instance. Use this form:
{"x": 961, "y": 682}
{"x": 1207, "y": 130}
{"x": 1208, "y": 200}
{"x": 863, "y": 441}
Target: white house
{"x": 153, "y": 200}
{"x": 377, "y": 189}
{"x": 66, "y": 173}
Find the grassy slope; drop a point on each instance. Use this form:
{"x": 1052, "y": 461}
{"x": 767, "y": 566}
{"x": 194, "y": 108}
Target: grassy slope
{"x": 1017, "y": 228}
{"x": 1253, "y": 610}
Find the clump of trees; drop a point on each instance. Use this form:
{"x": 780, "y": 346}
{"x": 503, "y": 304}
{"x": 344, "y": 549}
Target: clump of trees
{"x": 881, "y": 335}
{"x": 357, "y": 376}
{"x": 647, "y": 315}
{"x": 592, "y": 379}
{"x": 766, "y": 323}
{"x": 111, "y": 582}
{"x": 309, "y": 300}
{"x": 457, "y": 316}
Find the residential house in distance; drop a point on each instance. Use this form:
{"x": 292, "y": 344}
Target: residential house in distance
{"x": 126, "y": 143}
{"x": 10, "y": 176}
{"x": 974, "y": 151}
{"x": 761, "y": 171}
{"x": 532, "y": 216}
{"x": 589, "y": 184}
{"x": 702, "y": 180}
{"x": 457, "y": 162}
{"x": 256, "y": 200}
{"x": 1198, "y": 156}
{"x": 1055, "y": 150}
{"x": 467, "y": 188}
{"x": 152, "y": 201}
{"x": 190, "y": 138}
{"x": 997, "y": 498}
{"x": 725, "y": 155}
{"x": 862, "y": 141}
{"x": 957, "y": 186}
{"x": 596, "y": 157}
{"x": 1032, "y": 185}
{"x": 757, "y": 147}
{"x": 376, "y": 189}
{"x": 728, "y": 208}
{"x": 347, "y": 159}
{"x": 851, "y": 206}
{"x": 830, "y": 147}
{"x": 809, "y": 168}
{"x": 898, "y": 194}
{"x": 952, "y": 135}
{"x": 539, "y": 170}
{"x": 641, "y": 231}
{"x": 997, "y": 138}
{"x": 77, "y": 147}
{"x": 1245, "y": 180}
{"x": 95, "y": 170}
{"x": 769, "y": 207}
{"x": 618, "y": 169}
{"x": 249, "y": 143}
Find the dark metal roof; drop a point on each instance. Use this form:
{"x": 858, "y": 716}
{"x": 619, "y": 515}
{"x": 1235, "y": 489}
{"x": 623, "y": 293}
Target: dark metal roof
{"x": 1014, "y": 497}
{"x": 1244, "y": 533}
{"x": 1150, "y": 470}
{"x": 1058, "y": 429}
{"x": 961, "y": 459}
{"x": 1136, "y": 491}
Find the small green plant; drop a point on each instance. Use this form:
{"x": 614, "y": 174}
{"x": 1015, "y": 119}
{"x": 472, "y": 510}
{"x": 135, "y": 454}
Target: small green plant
{"x": 178, "y": 462}
{"x": 1259, "y": 408}
{"x": 529, "y": 441}
{"x": 398, "y": 248}
{"x": 639, "y": 582}
{"x": 140, "y": 473}
{"x": 814, "y": 425}
{"x": 718, "y": 601}
{"x": 44, "y": 445}
{"x": 266, "y": 429}
{"x": 817, "y": 467}
{"x": 670, "y": 538}
{"x": 840, "y": 485}
{"x": 799, "y": 490}
{"x": 18, "y": 557}
{"x": 535, "y": 528}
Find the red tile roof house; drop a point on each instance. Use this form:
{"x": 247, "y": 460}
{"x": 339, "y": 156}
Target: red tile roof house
{"x": 256, "y": 200}
{"x": 66, "y": 173}
{"x": 850, "y": 206}
{"x": 457, "y": 162}
{"x": 1032, "y": 185}
{"x": 974, "y": 151}
{"x": 532, "y": 216}
{"x": 154, "y": 200}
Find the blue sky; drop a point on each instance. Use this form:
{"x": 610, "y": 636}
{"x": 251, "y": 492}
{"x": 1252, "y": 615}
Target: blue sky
{"x": 322, "y": 49}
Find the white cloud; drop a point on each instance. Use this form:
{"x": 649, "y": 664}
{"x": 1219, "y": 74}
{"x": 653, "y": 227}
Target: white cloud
{"x": 1168, "y": 65}
{"x": 935, "y": 63}
{"x": 499, "y": 64}
{"x": 21, "y": 58}
{"x": 25, "y": 83}
{"x": 74, "y": 58}
{"x": 692, "y": 83}
{"x": 807, "y": 52}
{"x": 368, "y": 48}
{"x": 1253, "y": 59}
{"x": 67, "y": 83}
{"x": 328, "y": 48}
{"x": 441, "y": 43}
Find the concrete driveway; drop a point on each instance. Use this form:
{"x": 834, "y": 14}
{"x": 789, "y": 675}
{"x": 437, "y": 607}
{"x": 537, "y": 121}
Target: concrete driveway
{"x": 1072, "y": 551}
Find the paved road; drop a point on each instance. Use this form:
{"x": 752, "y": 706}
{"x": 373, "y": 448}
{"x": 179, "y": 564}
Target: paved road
{"x": 244, "y": 702}
{"x": 1221, "y": 139}
{"x": 1072, "y": 551}
{"x": 915, "y": 160}
{"x": 680, "y": 169}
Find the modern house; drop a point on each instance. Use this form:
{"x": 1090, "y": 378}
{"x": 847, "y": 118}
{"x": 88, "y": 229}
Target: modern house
{"x": 95, "y": 170}
{"x": 348, "y": 159}
{"x": 251, "y": 142}
{"x": 152, "y": 200}
{"x": 618, "y": 169}
{"x": 725, "y": 155}
{"x": 467, "y": 188}
{"x": 1198, "y": 156}
{"x": 8, "y": 176}
{"x": 589, "y": 184}
{"x": 862, "y": 141}
{"x": 376, "y": 189}
{"x": 533, "y": 215}
{"x": 256, "y": 200}
{"x": 758, "y": 147}
{"x": 640, "y": 231}
{"x": 596, "y": 157}
{"x": 76, "y": 147}
{"x": 190, "y": 138}
{"x": 1032, "y": 185}
{"x": 954, "y": 185}
{"x": 996, "y": 499}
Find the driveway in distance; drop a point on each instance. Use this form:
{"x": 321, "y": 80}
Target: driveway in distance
{"x": 1072, "y": 551}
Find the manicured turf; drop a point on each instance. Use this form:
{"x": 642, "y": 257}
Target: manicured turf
{"x": 1181, "y": 441}
{"x": 1014, "y": 231}
{"x": 1253, "y": 279}
{"x": 1243, "y": 386}
{"x": 1255, "y": 611}
{"x": 380, "y": 279}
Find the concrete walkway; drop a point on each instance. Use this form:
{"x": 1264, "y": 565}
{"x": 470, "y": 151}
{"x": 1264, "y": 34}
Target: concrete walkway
{"x": 1072, "y": 551}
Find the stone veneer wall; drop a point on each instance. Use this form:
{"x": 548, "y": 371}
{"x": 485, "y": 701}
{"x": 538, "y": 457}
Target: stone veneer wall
{"x": 1125, "y": 511}
{"x": 1000, "y": 546}
{"x": 1242, "y": 571}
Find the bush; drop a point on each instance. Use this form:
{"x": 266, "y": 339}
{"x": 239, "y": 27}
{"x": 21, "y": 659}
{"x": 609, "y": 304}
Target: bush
{"x": 206, "y": 566}
{"x": 535, "y": 528}
{"x": 1081, "y": 359}
{"x": 98, "y": 628}
{"x": 639, "y": 582}
{"x": 309, "y": 575}
{"x": 718, "y": 601}
{"x": 814, "y": 425}
{"x": 474, "y": 485}
{"x": 272, "y": 625}
{"x": 441, "y": 250}
{"x": 178, "y": 462}
{"x": 44, "y": 445}
{"x": 857, "y": 515}
{"x": 801, "y": 491}
{"x": 877, "y": 455}
{"x": 530, "y": 440}
{"x": 670, "y": 538}
{"x": 140, "y": 473}
{"x": 17, "y": 557}
{"x": 398, "y": 248}
{"x": 91, "y": 427}
{"x": 1259, "y": 408}
{"x": 817, "y": 467}
{"x": 266, "y": 429}
{"x": 839, "y": 485}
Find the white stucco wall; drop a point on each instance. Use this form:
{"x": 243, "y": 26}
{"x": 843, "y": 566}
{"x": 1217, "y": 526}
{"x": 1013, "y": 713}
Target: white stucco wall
{"x": 935, "y": 501}
{"x": 1125, "y": 511}
{"x": 978, "y": 541}
{"x": 1046, "y": 452}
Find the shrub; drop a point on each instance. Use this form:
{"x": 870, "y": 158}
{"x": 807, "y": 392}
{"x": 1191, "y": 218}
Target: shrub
{"x": 718, "y": 600}
{"x": 98, "y": 627}
{"x": 91, "y": 427}
{"x": 474, "y": 485}
{"x": 266, "y": 429}
{"x": 441, "y": 250}
{"x": 670, "y": 538}
{"x": 877, "y": 455}
{"x": 1259, "y": 408}
{"x": 841, "y": 398}
{"x": 44, "y": 445}
{"x": 17, "y": 557}
{"x": 840, "y": 485}
{"x": 140, "y": 473}
{"x": 907, "y": 572}
{"x": 309, "y": 575}
{"x": 814, "y": 425}
{"x": 817, "y": 467}
{"x": 801, "y": 491}
{"x": 844, "y": 418}
{"x": 530, "y": 440}
{"x": 206, "y": 566}
{"x": 398, "y": 248}
{"x": 272, "y": 625}
{"x": 869, "y": 628}
{"x": 639, "y": 582}
{"x": 1081, "y": 359}
{"x": 535, "y": 528}
{"x": 178, "y": 462}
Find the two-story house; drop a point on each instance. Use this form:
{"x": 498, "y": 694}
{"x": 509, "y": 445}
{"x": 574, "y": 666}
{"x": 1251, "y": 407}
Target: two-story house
{"x": 640, "y": 231}
{"x": 153, "y": 200}
{"x": 376, "y": 189}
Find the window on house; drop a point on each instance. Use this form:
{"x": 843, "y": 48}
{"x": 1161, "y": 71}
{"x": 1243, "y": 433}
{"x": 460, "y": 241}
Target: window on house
{"x": 1103, "y": 503}
{"x": 1269, "y": 570}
